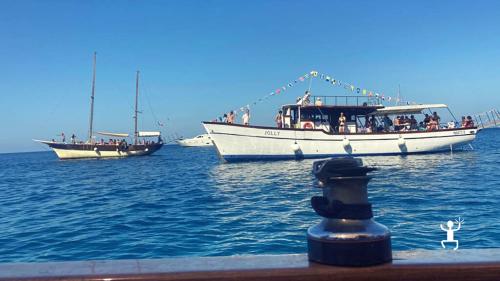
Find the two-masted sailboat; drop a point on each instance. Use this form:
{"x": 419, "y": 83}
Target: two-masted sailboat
{"x": 117, "y": 146}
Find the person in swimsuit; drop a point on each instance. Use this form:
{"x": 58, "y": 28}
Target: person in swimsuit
{"x": 342, "y": 121}
{"x": 279, "y": 119}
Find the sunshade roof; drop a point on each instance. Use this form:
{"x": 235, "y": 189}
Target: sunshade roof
{"x": 407, "y": 109}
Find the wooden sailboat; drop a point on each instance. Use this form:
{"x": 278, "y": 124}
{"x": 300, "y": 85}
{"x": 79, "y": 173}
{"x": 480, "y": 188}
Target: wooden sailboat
{"x": 114, "y": 147}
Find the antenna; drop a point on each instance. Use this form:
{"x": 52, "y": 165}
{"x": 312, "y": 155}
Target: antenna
{"x": 399, "y": 93}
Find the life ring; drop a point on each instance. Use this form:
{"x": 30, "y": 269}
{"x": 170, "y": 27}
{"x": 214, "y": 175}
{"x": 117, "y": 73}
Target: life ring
{"x": 307, "y": 125}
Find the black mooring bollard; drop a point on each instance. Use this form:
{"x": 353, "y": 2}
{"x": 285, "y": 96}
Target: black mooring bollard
{"x": 348, "y": 235}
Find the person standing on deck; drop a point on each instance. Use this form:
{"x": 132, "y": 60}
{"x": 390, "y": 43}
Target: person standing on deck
{"x": 63, "y": 137}
{"x": 73, "y": 139}
{"x": 246, "y": 117}
{"x": 427, "y": 119}
{"x": 436, "y": 118}
{"x": 368, "y": 127}
{"x": 342, "y": 121}
{"x": 318, "y": 102}
{"x": 279, "y": 119}
{"x": 413, "y": 123}
{"x": 230, "y": 117}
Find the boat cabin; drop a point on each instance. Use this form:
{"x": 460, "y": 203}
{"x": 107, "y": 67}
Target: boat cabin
{"x": 356, "y": 109}
{"x": 325, "y": 117}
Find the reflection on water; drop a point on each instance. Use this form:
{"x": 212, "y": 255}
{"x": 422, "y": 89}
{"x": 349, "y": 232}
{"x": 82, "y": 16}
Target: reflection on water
{"x": 412, "y": 194}
{"x": 185, "y": 202}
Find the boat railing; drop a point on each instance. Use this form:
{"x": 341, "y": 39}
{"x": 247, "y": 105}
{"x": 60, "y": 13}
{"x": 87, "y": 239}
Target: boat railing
{"x": 347, "y": 100}
{"x": 487, "y": 119}
{"x": 464, "y": 264}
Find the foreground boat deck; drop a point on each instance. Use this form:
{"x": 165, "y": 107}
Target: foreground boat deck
{"x": 468, "y": 264}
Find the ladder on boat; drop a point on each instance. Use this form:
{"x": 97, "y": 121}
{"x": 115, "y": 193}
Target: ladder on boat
{"x": 487, "y": 119}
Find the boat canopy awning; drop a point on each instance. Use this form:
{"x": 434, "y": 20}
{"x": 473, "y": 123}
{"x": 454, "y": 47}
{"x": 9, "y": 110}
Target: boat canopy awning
{"x": 149, "y": 134}
{"x": 121, "y": 135}
{"x": 407, "y": 109}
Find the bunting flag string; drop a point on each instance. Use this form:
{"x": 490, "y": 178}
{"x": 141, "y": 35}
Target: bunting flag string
{"x": 332, "y": 81}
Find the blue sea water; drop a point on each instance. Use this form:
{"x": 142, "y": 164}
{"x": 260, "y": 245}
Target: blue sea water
{"x": 185, "y": 202}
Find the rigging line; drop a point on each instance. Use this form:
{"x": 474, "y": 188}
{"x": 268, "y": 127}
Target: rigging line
{"x": 322, "y": 118}
{"x": 146, "y": 95}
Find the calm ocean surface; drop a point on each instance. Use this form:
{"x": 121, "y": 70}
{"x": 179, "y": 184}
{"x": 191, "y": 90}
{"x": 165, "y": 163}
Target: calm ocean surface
{"x": 184, "y": 202}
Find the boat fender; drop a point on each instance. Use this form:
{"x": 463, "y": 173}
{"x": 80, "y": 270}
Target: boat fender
{"x": 95, "y": 148}
{"x": 147, "y": 149}
{"x": 346, "y": 143}
{"x": 307, "y": 125}
{"x": 295, "y": 147}
{"x": 401, "y": 141}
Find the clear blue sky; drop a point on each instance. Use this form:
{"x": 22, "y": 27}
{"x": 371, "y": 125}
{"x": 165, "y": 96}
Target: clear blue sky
{"x": 199, "y": 59}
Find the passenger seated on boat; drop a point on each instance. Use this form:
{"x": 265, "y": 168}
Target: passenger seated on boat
{"x": 387, "y": 123}
{"x": 421, "y": 126}
{"x": 318, "y": 102}
{"x": 305, "y": 99}
{"x": 432, "y": 125}
{"x": 342, "y": 121}
{"x": 397, "y": 125}
{"x": 463, "y": 122}
{"x": 468, "y": 122}
{"x": 224, "y": 118}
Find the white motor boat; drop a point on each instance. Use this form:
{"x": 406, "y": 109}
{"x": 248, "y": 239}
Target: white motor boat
{"x": 313, "y": 131}
{"x": 201, "y": 140}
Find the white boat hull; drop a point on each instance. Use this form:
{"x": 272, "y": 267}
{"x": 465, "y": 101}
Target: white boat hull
{"x": 237, "y": 142}
{"x": 203, "y": 140}
{"x": 74, "y": 154}
{"x": 75, "y": 151}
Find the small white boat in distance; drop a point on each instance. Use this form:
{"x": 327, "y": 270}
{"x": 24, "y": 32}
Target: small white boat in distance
{"x": 201, "y": 140}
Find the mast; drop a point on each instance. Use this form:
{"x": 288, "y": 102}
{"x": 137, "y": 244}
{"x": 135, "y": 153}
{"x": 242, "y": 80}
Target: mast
{"x": 136, "y": 133}
{"x": 399, "y": 92}
{"x": 91, "y": 121}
